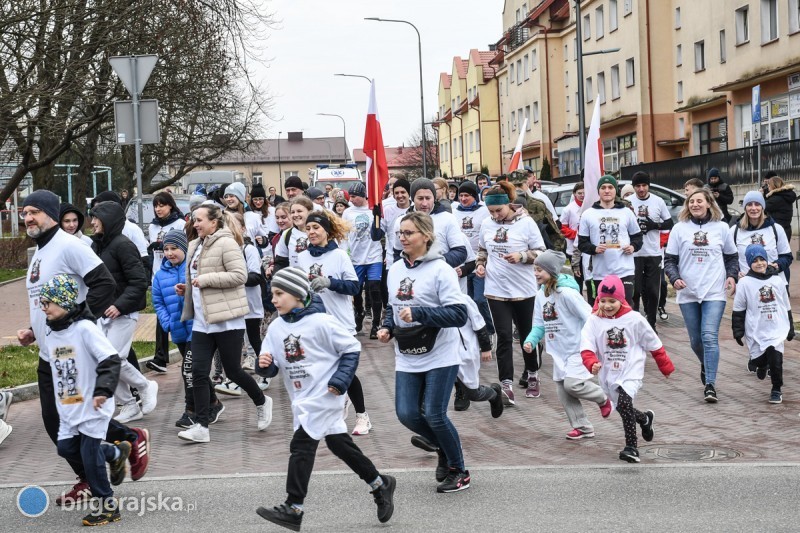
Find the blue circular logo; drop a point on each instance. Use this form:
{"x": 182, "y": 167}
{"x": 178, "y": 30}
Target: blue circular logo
{"x": 32, "y": 501}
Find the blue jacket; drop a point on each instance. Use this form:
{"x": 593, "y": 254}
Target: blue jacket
{"x": 169, "y": 305}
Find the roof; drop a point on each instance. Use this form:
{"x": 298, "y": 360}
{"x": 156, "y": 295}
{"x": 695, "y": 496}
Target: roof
{"x": 445, "y": 79}
{"x": 696, "y": 104}
{"x": 460, "y": 66}
{"x": 396, "y": 156}
{"x": 751, "y": 78}
{"x": 482, "y": 59}
{"x": 309, "y": 149}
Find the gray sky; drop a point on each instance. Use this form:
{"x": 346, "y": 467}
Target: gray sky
{"x": 317, "y": 38}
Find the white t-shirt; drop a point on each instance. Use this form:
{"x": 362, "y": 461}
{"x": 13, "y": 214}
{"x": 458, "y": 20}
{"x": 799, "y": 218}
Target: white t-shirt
{"x": 61, "y": 255}
{"x": 445, "y": 226}
{"x": 298, "y": 242}
{"x": 470, "y": 224}
{"x": 390, "y": 214}
{"x": 571, "y": 218}
{"x": 73, "y": 354}
{"x": 767, "y": 318}
{"x": 621, "y": 344}
{"x": 612, "y": 227}
{"x": 429, "y": 284}
{"x": 562, "y": 315}
{"x": 333, "y": 264}
{"x": 700, "y": 262}
{"x": 307, "y": 352}
{"x": 503, "y": 279}
{"x": 157, "y": 234}
{"x": 363, "y": 250}
{"x": 253, "y": 294}
{"x": 470, "y": 349}
{"x": 136, "y": 235}
{"x": 766, "y": 238}
{"x": 199, "y": 323}
{"x": 655, "y": 208}
{"x": 258, "y": 226}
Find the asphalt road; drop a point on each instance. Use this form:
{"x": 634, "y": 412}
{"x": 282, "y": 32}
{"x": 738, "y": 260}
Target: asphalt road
{"x": 722, "y": 497}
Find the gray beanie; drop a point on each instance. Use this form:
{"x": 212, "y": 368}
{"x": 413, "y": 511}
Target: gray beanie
{"x": 237, "y": 189}
{"x": 551, "y": 262}
{"x": 292, "y": 280}
{"x": 422, "y": 183}
{"x": 314, "y": 192}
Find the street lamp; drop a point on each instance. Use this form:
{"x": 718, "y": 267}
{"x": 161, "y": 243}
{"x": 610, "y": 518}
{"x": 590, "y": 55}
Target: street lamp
{"x": 280, "y": 170}
{"x": 330, "y": 152}
{"x": 421, "y": 90}
{"x": 369, "y": 80}
{"x": 344, "y": 128}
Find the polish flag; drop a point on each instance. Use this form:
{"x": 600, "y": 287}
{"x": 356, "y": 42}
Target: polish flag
{"x": 593, "y": 166}
{"x": 377, "y": 174}
{"x": 516, "y": 159}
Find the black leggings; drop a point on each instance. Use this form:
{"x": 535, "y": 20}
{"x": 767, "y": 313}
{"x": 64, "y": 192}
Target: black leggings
{"x": 253, "y": 328}
{"x": 229, "y": 344}
{"x": 186, "y": 373}
{"x": 373, "y": 289}
{"x": 356, "y": 395}
{"x": 520, "y": 313}
{"x": 630, "y": 417}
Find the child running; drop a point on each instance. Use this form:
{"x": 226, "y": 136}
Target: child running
{"x": 613, "y": 345}
{"x": 763, "y": 316}
{"x": 318, "y": 358}
{"x": 558, "y": 317}
{"x": 85, "y": 374}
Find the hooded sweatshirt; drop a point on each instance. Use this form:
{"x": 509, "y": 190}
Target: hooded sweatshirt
{"x": 69, "y": 208}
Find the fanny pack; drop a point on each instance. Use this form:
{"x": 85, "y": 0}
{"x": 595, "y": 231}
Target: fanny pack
{"x": 416, "y": 340}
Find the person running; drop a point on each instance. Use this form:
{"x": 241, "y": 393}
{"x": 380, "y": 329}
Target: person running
{"x": 762, "y": 315}
{"x": 214, "y": 296}
{"x": 509, "y": 242}
{"x": 570, "y": 221}
{"x": 294, "y": 239}
{"x": 559, "y": 316}
{"x": 71, "y": 221}
{"x": 426, "y": 306}
{"x": 260, "y": 222}
{"x": 613, "y": 345}
{"x": 702, "y": 264}
{"x": 318, "y": 357}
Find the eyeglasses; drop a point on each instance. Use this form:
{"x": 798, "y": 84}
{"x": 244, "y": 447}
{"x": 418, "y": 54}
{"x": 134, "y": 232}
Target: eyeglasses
{"x": 44, "y": 305}
{"x": 30, "y": 212}
{"x": 406, "y": 233}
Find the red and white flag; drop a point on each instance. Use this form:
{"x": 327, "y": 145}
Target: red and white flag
{"x": 593, "y": 166}
{"x": 377, "y": 174}
{"x": 516, "y": 159}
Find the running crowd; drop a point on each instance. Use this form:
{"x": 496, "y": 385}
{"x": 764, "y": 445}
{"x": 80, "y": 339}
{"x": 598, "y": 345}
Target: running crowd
{"x": 249, "y": 286}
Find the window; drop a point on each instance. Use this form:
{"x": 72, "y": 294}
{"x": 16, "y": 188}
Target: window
{"x": 511, "y": 76}
{"x": 577, "y": 104}
{"x": 723, "y": 53}
{"x": 257, "y": 177}
{"x": 471, "y": 142}
{"x": 713, "y": 136}
{"x": 290, "y": 173}
{"x": 453, "y": 105}
{"x": 680, "y": 91}
{"x": 699, "y": 56}
{"x": 794, "y": 16}
{"x": 477, "y": 140}
{"x": 587, "y": 27}
{"x": 566, "y": 52}
{"x": 615, "y": 82}
{"x": 630, "y": 79}
{"x": 566, "y": 78}
{"x": 613, "y": 16}
{"x": 458, "y": 100}
{"x": 769, "y": 20}
{"x": 679, "y": 55}
{"x": 599, "y": 22}
{"x": 528, "y": 117}
{"x": 567, "y": 106}
{"x": 681, "y": 127}
{"x": 525, "y": 66}
{"x": 574, "y": 49}
{"x": 519, "y": 118}
{"x": 742, "y": 25}
{"x": 601, "y": 87}
{"x": 519, "y": 71}
{"x": 677, "y": 18}
{"x": 519, "y": 15}
{"x": 627, "y": 7}
{"x": 536, "y": 111}
{"x": 534, "y": 59}
{"x": 620, "y": 152}
{"x": 513, "y": 121}
{"x": 589, "y": 92}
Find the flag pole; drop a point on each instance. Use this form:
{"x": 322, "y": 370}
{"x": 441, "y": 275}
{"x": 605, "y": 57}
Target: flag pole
{"x": 375, "y": 184}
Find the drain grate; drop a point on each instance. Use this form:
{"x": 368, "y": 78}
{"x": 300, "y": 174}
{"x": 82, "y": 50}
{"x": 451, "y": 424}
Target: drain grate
{"x": 689, "y": 453}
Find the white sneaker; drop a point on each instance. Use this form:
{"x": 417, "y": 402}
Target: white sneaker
{"x": 149, "y": 397}
{"x": 5, "y": 403}
{"x": 363, "y": 425}
{"x": 195, "y": 433}
{"x": 129, "y": 413}
{"x": 264, "y": 414}
{"x": 229, "y": 387}
{"x": 249, "y": 363}
{"x": 5, "y": 431}
{"x": 263, "y": 383}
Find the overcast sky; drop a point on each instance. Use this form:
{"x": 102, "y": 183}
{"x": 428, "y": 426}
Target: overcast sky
{"x": 317, "y": 38}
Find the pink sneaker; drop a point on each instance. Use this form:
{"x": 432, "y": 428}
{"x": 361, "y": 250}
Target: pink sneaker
{"x": 605, "y": 409}
{"x": 576, "y": 434}
{"x": 533, "y": 386}
{"x": 508, "y": 394}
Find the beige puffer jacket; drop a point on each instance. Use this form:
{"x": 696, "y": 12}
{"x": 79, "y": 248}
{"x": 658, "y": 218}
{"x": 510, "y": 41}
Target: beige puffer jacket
{"x": 221, "y": 272}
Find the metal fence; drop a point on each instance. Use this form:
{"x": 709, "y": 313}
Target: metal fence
{"x": 738, "y": 166}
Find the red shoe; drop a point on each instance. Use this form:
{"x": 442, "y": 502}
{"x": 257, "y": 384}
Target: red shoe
{"x": 606, "y": 408}
{"x": 140, "y": 454}
{"x": 576, "y": 434}
{"x": 80, "y": 492}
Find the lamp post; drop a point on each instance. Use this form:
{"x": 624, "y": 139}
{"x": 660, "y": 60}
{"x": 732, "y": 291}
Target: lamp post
{"x": 280, "y": 170}
{"x": 369, "y": 80}
{"x": 344, "y": 131}
{"x": 421, "y": 91}
{"x": 330, "y": 151}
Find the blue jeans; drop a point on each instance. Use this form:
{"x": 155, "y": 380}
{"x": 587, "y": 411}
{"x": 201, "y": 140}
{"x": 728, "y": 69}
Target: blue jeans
{"x": 702, "y": 324}
{"x": 475, "y": 287}
{"x": 430, "y": 389}
{"x": 94, "y": 455}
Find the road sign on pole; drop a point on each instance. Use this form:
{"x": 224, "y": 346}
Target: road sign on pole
{"x": 756, "y": 97}
{"x": 149, "y": 130}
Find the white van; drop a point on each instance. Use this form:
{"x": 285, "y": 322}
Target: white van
{"x": 207, "y": 178}
{"x": 338, "y": 176}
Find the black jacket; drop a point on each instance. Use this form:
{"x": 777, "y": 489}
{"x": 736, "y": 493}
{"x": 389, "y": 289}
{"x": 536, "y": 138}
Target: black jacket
{"x": 121, "y": 258}
{"x": 780, "y": 206}
{"x": 725, "y": 197}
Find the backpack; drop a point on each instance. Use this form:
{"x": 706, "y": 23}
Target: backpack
{"x": 544, "y": 218}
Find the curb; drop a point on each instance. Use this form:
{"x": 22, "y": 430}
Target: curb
{"x": 6, "y": 282}
{"x": 30, "y": 391}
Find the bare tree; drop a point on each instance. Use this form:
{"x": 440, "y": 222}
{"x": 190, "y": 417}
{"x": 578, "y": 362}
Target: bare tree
{"x": 413, "y": 154}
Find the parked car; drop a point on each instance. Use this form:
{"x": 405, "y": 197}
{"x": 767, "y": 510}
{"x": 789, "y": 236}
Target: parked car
{"x": 132, "y": 211}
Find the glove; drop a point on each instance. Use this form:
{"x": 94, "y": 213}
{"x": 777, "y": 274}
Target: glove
{"x": 647, "y": 224}
{"x": 376, "y": 211}
{"x": 739, "y": 341}
{"x": 320, "y": 283}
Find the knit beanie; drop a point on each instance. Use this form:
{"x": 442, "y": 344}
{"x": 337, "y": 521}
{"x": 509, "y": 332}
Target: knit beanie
{"x": 402, "y": 183}
{"x": 293, "y": 182}
{"x": 422, "y": 183}
{"x": 754, "y": 251}
{"x": 627, "y": 189}
{"x": 358, "y": 189}
{"x": 754, "y": 196}
{"x": 62, "y": 290}
{"x": 640, "y": 178}
{"x": 469, "y": 188}
{"x": 292, "y": 280}
{"x": 106, "y": 196}
{"x": 257, "y": 191}
{"x": 606, "y": 179}
{"x": 176, "y": 238}
{"x": 314, "y": 192}
{"x": 713, "y": 172}
{"x": 611, "y": 287}
{"x": 196, "y": 200}
{"x": 236, "y": 189}
{"x": 551, "y": 262}
{"x": 46, "y": 201}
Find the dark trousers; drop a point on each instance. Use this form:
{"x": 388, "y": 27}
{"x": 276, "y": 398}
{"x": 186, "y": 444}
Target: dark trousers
{"x": 93, "y": 455}
{"x": 161, "y": 357}
{"x": 372, "y": 290}
{"x": 647, "y": 285}
{"x": 507, "y": 314}
{"x": 303, "y": 450}
{"x": 630, "y": 417}
{"x": 772, "y": 359}
{"x": 662, "y": 295}
{"x": 356, "y": 395}
{"x": 481, "y": 394}
{"x": 229, "y": 344}
{"x": 591, "y": 291}
{"x": 188, "y": 380}
{"x": 133, "y": 360}
{"x": 253, "y": 328}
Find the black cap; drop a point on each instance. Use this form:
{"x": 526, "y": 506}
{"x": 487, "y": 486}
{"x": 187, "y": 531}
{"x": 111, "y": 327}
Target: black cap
{"x": 640, "y": 178}
{"x": 45, "y": 200}
{"x": 257, "y": 191}
{"x": 469, "y": 188}
{"x": 293, "y": 182}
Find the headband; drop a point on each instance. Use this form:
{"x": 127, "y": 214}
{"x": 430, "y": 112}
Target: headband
{"x": 496, "y": 199}
{"x": 322, "y": 220}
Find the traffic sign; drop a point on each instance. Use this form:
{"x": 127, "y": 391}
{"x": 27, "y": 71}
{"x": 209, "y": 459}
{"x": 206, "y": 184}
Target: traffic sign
{"x": 134, "y": 71}
{"x": 149, "y": 129}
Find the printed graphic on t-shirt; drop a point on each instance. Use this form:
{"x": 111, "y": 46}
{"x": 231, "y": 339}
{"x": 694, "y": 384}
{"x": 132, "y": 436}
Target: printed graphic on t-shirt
{"x": 549, "y": 311}
{"x": 293, "y": 351}
{"x": 406, "y": 290}
{"x": 616, "y": 338}
{"x": 501, "y": 235}
{"x": 301, "y": 244}
{"x": 160, "y": 236}
{"x": 35, "y": 271}
{"x": 315, "y": 271}
{"x": 757, "y": 238}
{"x": 466, "y": 223}
{"x": 609, "y": 232}
{"x": 766, "y": 294}
{"x": 67, "y": 376}
{"x": 361, "y": 226}
{"x": 701, "y": 238}
{"x": 643, "y": 211}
